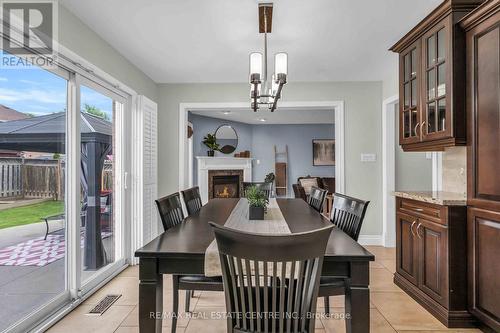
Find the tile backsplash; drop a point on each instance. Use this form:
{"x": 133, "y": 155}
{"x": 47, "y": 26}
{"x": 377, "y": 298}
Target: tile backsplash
{"x": 455, "y": 170}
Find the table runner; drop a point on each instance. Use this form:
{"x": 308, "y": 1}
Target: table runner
{"x": 273, "y": 223}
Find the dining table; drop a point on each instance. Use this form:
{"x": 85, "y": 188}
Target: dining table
{"x": 181, "y": 250}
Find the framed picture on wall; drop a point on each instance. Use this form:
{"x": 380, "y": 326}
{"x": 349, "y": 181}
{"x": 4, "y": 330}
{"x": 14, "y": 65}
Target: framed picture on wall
{"x": 323, "y": 152}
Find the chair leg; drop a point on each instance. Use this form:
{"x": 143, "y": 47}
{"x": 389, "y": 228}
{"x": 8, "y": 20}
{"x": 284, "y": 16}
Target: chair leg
{"x": 189, "y": 294}
{"x": 327, "y": 304}
{"x": 175, "y": 297}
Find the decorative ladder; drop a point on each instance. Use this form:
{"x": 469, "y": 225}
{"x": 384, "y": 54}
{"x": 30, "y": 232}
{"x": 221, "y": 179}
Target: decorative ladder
{"x": 281, "y": 171}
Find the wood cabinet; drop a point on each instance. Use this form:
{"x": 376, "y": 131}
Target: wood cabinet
{"x": 431, "y": 258}
{"x": 431, "y": 80}
{"x": 484, "y": 269}
{"x": 407, "y": 258}
{"x": 483, "y": 180}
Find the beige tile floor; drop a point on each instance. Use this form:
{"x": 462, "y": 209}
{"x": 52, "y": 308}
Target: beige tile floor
{"x": 391, "y": 309}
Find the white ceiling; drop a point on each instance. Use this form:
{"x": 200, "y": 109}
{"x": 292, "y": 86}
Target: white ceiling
{"x": 281, "y": 116}
{"x": 209, "y": 40}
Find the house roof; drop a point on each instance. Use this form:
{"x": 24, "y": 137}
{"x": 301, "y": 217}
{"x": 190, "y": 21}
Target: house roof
{"x": 8, "y": 114}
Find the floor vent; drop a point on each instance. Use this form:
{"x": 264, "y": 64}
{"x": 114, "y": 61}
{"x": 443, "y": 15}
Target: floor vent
{"x": 103, "y": 305}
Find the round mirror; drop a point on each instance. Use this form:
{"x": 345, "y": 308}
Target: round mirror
{"x": 226, "y": 138}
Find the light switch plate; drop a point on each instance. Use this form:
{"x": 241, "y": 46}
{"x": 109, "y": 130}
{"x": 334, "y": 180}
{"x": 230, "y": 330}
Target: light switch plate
{"x": 368, "y": 157}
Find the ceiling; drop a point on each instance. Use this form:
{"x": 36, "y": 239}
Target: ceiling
{"x": 282, "y": 116}
{"x": 210, "y": 40}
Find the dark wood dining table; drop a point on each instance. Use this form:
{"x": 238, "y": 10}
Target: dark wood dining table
{"x": 181, "y": 250}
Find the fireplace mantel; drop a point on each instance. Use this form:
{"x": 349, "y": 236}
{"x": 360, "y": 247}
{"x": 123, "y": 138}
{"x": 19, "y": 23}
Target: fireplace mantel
{"x": 206, "y": 163}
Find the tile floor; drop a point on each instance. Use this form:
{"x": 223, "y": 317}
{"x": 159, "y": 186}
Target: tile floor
{"x": 391, "y": 309}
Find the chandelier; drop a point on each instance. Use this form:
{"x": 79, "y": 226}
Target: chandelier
{"x": 263, "y": 91}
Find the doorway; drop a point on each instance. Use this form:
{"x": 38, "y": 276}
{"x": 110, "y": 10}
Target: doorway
{"x": 185, "y": 178}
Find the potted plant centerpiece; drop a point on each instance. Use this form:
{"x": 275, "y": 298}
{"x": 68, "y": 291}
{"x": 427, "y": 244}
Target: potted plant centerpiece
{"x": 257, "y": 202}
{"x": 211, "y": 142}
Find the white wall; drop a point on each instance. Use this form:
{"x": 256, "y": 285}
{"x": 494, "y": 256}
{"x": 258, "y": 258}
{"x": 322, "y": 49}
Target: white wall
{"x": 79, "y": 38}
{"x": 390, "y": 83}
{"x": 363, "y": 103}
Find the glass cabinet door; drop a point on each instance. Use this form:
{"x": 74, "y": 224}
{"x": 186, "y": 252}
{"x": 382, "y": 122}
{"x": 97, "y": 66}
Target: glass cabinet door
{"x": 409, "y": 115}
{"x": 436, "y": 120}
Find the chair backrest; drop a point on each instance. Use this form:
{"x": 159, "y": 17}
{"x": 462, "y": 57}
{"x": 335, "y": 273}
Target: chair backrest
{"x": 348, "y": 214}
{"x": 265, "y": 275}
{"x": 263, "y": 186}
{"x": 170, "y": 209}
{"x": 299, "y": 192}
{"x": 192, "y": 200}
{"x": 328, "y": 184}
{"x": 317, "y": 198}
{"x": 308, "y": 181}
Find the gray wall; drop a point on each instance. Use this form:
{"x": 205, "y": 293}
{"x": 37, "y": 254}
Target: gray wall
{"x": 260, "y": 139}
{"x": 363, "y": 123}
{"x": 413, "y": 169}
{"x": 299, "y": 140}
{"x": 79, "y": 38}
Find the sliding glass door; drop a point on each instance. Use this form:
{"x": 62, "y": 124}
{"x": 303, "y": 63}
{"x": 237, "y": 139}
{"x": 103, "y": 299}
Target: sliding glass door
{"x": 62, "y": 162}
{"x": 102, "y": 243}
{"x": 33, "y": 223}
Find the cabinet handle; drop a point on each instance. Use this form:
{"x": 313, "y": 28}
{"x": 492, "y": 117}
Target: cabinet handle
{"x": 421, "y": 127}
{"x": 411, "y": 228}
{"x": 418, "y": 228}
{"x": 419, "y": 209}
{"x": 415, "y": 129}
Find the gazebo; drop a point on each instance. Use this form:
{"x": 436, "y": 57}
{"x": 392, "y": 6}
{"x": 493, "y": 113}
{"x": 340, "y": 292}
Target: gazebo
{"x": 47, "y": 134}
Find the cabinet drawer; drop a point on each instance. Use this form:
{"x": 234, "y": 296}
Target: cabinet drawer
{"x": 429, "y": 211}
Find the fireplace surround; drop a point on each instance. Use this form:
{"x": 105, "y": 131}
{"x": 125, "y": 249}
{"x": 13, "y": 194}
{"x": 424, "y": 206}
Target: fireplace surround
{"x": 222, "y": 166}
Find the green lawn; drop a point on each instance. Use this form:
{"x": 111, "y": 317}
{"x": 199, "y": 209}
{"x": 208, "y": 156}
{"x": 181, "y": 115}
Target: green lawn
{"x": 29, "y": 214}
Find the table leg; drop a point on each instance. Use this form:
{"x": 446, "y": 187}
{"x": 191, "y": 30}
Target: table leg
{"x": 150, "y": 296}
{"x": 357, "y": 299}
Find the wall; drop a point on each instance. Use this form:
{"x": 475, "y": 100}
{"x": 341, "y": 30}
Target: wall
{"x": 260, "y": 139}
{"x": 79, "y": 38}
{"x": 299, "y": 150}
{"x": 203, "y": 125}
{"x": 390, "y": 83}
{"x": 413, "y": 169}
{"x": 363, "y": 123}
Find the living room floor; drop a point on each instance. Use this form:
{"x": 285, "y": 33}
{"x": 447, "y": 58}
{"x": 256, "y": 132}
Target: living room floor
{"x": 391, "y": 309}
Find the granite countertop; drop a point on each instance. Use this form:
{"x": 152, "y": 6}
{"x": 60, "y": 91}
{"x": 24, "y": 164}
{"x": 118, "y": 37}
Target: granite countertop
{"x": 435, "y": 197}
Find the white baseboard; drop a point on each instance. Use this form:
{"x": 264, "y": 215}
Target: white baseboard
{"x": 371, "y": 240}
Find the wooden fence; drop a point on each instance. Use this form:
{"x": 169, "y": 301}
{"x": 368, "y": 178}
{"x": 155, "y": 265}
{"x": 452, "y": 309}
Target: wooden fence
{"x": 31, "y": 178}
{"x": 39, "y": 178}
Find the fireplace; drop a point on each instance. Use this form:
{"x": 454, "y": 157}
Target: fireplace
{"x": 224, "y": 183}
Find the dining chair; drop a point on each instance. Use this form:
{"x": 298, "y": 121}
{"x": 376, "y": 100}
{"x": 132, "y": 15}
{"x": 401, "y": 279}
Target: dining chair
{"x": 299, "y": 192}
{"x": 263, "y": 186}
{"x": 347, "y": 214}
{"x": 316, "y": 198}
{"x": 192, "y": 200}
{"x": 170, "y": 209}
{"x": 271, "y": 281}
